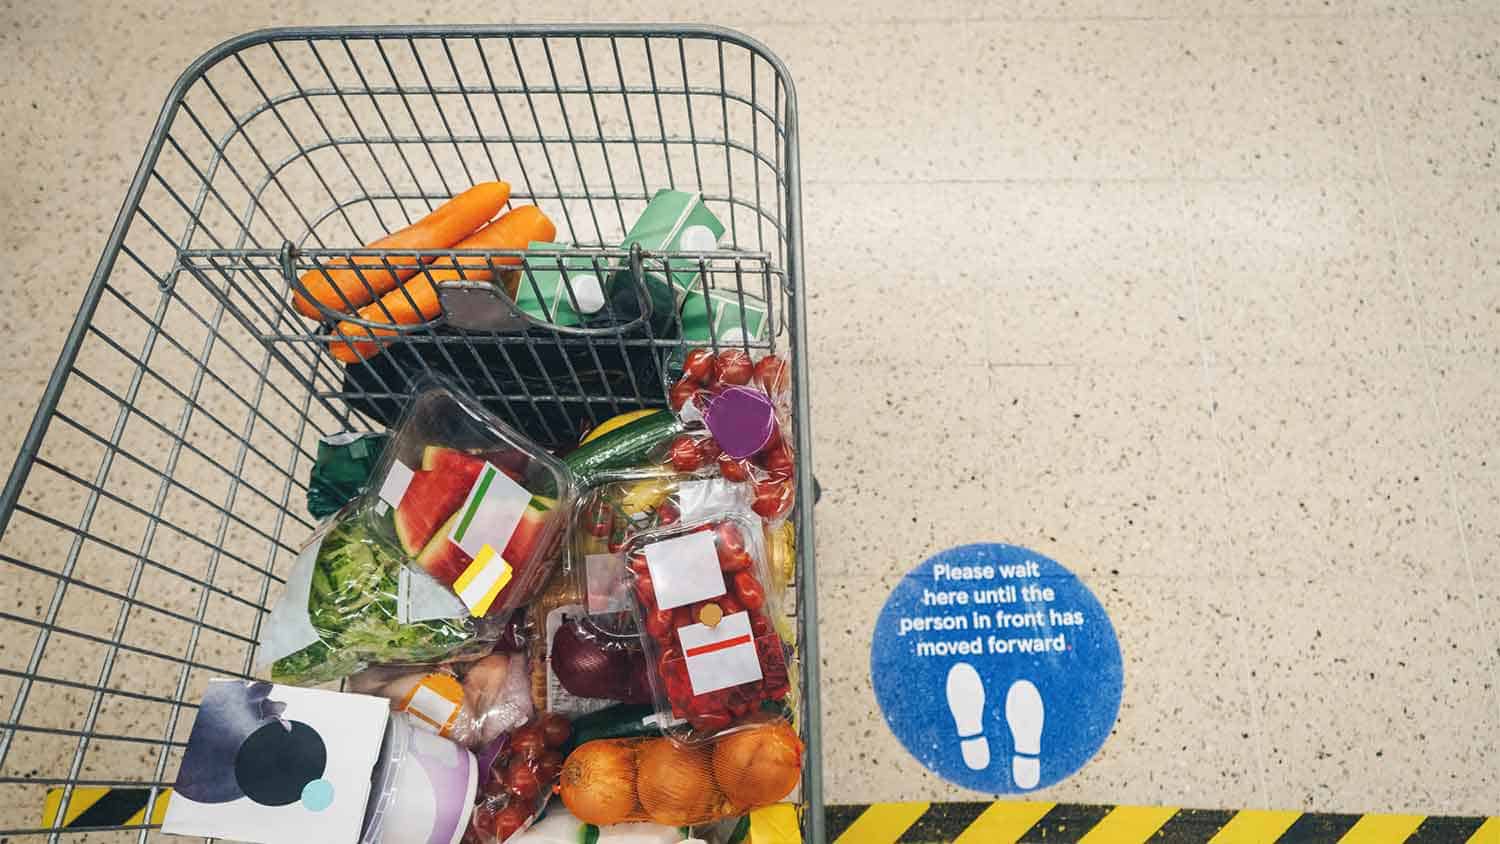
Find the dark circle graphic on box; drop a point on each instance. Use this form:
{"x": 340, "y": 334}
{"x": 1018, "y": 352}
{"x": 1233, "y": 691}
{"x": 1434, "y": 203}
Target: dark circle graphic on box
{"x": 277, "y": 762}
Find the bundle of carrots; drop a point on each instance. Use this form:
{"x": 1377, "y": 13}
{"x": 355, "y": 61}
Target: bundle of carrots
{"x": 463, "y": 222}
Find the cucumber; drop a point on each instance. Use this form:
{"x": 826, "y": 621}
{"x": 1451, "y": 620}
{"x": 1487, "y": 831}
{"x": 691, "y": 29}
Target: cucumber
{"x": 624, "y": 720}
{"x": 626, "y": 446}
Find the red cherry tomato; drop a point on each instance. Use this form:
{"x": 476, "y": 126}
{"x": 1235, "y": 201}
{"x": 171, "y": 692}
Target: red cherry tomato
{"x": 683, "y": 616}
{"x": 659, "y": 624}
{"x": 772, "y": 498}
{"x": 779, "y": 463}
{"x": 684, "y": 454}
{"x": 732, "y": 561}
{"x": 729, "y": 605}
{"x": 732, "y": 366}
{"x": 638, "y": 564}
{"x": 710, "y": 450}
{"x": 601, "y": 520}
{"x": 749, "y": 591}
{"x": 555, "y": 730}
{"x": 521, "y": 780}
{"x": 667, "y": 513}
{"x": 510, "y": 819}
{"x": 759, "y": 625}
{"x": 681, "y": 393}
{"x": 645, "y": 591}
{"x": 548, "y": 767}
{"x": 698, "y": 365}
{"x": 773, "y": 375}
{"x": 728, "y": 537}
{"x": 527, "y": 743}
{"x": 733, "y": 470}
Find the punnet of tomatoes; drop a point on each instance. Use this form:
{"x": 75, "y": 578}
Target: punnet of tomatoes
{"x": 743, "y": 570}
{"x": 515, "y": 788}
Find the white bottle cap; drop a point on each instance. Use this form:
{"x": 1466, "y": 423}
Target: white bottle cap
{"x": 697, "y": 239}
{"x": 588, "y": 292}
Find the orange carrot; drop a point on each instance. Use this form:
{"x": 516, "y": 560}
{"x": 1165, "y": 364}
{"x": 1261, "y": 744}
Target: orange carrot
{"x": 417, "y": 300}
{"x": 368, "y": 276}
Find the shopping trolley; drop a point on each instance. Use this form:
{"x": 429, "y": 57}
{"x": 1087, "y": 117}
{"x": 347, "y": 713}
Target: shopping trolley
{"x": 158, "y": 498}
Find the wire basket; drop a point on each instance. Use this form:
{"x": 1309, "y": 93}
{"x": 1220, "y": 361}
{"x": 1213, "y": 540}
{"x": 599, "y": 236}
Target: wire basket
{"x": 158, "y": 499}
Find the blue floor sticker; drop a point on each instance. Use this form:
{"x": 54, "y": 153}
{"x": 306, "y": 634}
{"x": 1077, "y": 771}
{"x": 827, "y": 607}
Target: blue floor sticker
{"x": 996, "y": 668}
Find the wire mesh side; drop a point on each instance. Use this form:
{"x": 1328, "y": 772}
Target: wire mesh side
{"x": 158, "y": 498}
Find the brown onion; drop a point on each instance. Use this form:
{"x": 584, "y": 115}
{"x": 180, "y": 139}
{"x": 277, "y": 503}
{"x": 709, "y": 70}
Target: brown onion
{"x": 674, "y": 783}
{"x": 758, "y": 766}
{"x": 598, "y": 782}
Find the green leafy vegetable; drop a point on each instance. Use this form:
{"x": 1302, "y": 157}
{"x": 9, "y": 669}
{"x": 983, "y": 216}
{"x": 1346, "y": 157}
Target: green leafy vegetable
{"x": 352, "y": 605}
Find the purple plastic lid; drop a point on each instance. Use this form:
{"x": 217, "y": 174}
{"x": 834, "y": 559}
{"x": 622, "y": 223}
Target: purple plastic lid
{"x": 742, "y": 420}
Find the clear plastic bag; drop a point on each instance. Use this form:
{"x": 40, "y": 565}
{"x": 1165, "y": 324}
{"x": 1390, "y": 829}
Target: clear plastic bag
{"x": 739, "y": 416}
{"x": 708, "y": 623}
{"x": 472, "y": 703}
{"x": 349, "y": 602}
{"x": 518, "y": 774}
{"x": 611, "y": 781}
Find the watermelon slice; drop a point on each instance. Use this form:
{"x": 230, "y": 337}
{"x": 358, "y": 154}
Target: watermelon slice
{"x": 445, "y": 561}
{"x": 441, "y": 557}
{"x": 434, "y": 494}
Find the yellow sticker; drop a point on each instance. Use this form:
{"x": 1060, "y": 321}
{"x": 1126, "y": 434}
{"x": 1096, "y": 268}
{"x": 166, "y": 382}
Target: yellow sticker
{"x": 482, "y": 581}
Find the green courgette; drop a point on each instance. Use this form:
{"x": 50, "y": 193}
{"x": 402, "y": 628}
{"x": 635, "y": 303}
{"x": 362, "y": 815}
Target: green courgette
{"x": 626, "y": 446}
{"x": 623, "y": 720}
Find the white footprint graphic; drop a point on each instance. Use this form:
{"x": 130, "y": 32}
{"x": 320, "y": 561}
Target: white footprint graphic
{"x": 1024, "y": 714}
{"x": 966, "y": 702}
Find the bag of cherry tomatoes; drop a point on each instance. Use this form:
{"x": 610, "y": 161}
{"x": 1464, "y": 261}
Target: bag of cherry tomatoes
{"x": 518, "y": 775}
{"x": 611, "y": 781}
{"x": 739, "y": 415}
{"x": 707, "y": 622}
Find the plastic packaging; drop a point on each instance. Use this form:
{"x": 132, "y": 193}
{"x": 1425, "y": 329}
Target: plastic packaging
{"x": 518, "y": 776}
{"x": 708, "y": 622}
{"x": 739, "y": 411}
{"x": 612, "y": 781}
{"x": 472, "y": 703}
{"x": 423, "y": 789}
{"x": 351, "y": 601}
{"x": 457, "y": 528}
{"x": 473, "y": 503}
{"x": 342, "y": 469}
{"x": 622, "y": 504}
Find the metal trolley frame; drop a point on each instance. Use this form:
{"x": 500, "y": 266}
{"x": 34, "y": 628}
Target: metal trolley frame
{"x": 158, "y": 496}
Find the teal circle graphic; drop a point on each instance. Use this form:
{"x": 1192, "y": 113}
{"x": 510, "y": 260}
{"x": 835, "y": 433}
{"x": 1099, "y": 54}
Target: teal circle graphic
{"x": 317, "y": 795}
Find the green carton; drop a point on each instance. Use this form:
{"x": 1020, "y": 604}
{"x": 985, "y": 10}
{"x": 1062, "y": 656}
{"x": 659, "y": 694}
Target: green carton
{"x": 675, "y": 221}
{"x": 588, "y": 288}
{"x": 723, "y": 317}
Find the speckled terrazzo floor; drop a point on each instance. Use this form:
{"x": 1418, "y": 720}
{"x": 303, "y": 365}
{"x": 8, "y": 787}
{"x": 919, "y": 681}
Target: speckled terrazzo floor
{"x": 1201, "y": 299}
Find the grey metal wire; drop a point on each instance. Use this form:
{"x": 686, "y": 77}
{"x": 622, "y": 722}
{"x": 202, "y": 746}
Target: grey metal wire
{"x": 157, "y": 497}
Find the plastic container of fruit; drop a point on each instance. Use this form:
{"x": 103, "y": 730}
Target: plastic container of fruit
{"x": 473, "y": 503}
{"x": 708, "y": 623}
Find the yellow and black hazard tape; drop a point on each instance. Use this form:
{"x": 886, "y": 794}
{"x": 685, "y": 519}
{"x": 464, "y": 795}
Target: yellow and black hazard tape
{"x": 93, "y": 806}
{"x": 1007, "y": 822}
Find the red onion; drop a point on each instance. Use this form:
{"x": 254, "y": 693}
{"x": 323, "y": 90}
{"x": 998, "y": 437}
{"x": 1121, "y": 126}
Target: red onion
{"x": 590, "y": 663}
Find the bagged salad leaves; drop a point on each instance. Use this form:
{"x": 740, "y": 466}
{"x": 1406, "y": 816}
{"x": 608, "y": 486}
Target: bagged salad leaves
{"x": 343, "y": 609}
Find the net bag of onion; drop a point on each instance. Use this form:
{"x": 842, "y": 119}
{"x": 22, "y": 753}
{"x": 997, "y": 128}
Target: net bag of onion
{"x": 664, "y": 781}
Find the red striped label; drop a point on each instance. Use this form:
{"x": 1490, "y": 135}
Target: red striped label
{"x": 717, "y": 646}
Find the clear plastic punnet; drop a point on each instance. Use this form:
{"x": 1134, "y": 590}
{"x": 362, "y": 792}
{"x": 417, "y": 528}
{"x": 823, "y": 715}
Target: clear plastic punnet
{"x": 708, "y": 623}
{"x": 476, "y": 505}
